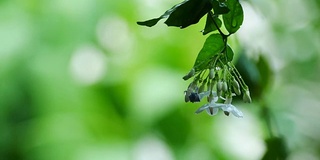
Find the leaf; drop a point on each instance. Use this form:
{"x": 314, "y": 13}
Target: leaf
{"x": 265, "y": 73}
{"x": 183, "y": 14}
{"x": 257, "y": 74}
{"x": 276, "y": 149}
{"x": 189, "y": 13}
{"x": 229, "y": 54}
{"x": 151, "y": 22}
{"x": 213, "y": 45}
{"x": 219, "y": 7}
{"x": 154, "y": 21}
{"x": 210, "y": 24}
{"x": 233, "y": 20}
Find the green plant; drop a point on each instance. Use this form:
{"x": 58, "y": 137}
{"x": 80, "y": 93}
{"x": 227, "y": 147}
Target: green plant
{"x": 214, "y": 74}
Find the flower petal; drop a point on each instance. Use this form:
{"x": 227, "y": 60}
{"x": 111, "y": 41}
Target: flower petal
{"x": 207, "y": 94}
{"x": 231, "y": 108}
{"x": 204, "y": 94}
{"x": 226, "y": 107}
{"x": 212, "y": 111}
{"x": 205, "y": 106}
{"x": 237, "y": 112}
{"x": 217, "y": 105}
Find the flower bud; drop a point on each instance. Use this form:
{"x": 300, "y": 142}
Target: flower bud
{"x": 208, "y": 85}
{"x": 236, "y": 87}
{"x": 219, "y": 86}
{"x": 193, "y": 85}
{"x": 224, "y": 86}
{"x": 235, "y": 83}
{"x": 186, "y": 98}
{"x": 246, "y": 97}
{"x": 228, "y": 99}
{"x": 219, "y": 93}
{"x": 201, "y": 88}
{"x": 210, "y": 98}
{"x": 190, "y": 74}
{"x": 236, "y": 90}
{"x": 187, "y": 94}
{"x": 211, "y": 74}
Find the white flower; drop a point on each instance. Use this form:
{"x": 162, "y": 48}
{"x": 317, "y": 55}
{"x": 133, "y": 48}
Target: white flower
{"x": 207, "y": 94}
{"x": 212, "y": 107}
{"x": 228, "y": 107}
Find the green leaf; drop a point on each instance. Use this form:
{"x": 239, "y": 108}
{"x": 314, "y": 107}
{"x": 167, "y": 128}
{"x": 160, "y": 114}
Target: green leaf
{"x": 233, "y": 20}
{"x": 213, "y": 45}
{"x": 276, "y": 149}
{"x": 229, "y": 54}
{"x": 257, "y": 74}
{"x": 250, "y": 74}
{"x": 154, "y": 21}
{"x": 151, "y": 22}
{"x": 210, "y": 24}
{"x": 219, "y": 7}
{"x": 183, "y": 14}
{"x": 265, "y": 73}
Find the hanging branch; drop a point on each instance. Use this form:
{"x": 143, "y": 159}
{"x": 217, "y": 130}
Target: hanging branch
{"x": 223, "y": 81}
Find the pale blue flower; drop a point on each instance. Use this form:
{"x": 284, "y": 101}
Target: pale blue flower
{"x": 228, "y": 107}
{"x": 212, "y": 107}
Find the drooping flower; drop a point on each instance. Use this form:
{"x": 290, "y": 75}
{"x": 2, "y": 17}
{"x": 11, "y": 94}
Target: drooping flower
{"x": 192, "y": 89}
{"x": 212, "y": 107}
{"x": 229, "y": 108}
{"x": 246, "y": 97}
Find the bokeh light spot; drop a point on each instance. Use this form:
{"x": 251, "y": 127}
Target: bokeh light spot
{"x": 88, "y": 65}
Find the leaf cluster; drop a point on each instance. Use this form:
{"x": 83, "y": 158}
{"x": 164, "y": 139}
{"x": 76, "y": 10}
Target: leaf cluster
{"x": 227, "y": 13}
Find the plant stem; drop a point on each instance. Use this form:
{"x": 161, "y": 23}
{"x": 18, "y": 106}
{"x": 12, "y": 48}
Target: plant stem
{"x": 218, "y": 28}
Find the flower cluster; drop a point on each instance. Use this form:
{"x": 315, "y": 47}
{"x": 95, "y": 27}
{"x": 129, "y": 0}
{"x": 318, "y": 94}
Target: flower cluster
{"x": 217, "y": 83}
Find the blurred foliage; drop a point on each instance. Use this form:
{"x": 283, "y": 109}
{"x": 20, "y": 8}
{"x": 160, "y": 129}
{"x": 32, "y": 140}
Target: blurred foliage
{"x": 276, "y": 149}
{"x": 81, "y": 80}
{"x": 257, "y": 74}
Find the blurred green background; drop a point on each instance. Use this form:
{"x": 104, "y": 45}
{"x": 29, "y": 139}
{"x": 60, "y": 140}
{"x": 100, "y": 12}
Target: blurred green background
{"x": 80, "y": 80}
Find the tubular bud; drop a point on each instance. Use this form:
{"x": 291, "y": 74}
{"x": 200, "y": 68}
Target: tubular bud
{"x": 246, "y": 96}
{"x": 219, "y": 93}
{"x": 236, "y": 90}
{"x": 211, "y": 74}
{"x": 224, "y": 86}
{"x": 219, "y": 86}
{"x": 236, "y": 86}
{"x": 213, "y": 82}
{"x": 193, "y": 85}
{"x": 186, "y": 98}
{"x": 209, "y": 85}
{"x": 201, "y": 88}
{"x": 209, "y": 98}
{"x": 186, "y": 95}
{"x": 235, "y": 83}
{"x": 190, "y": 74}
